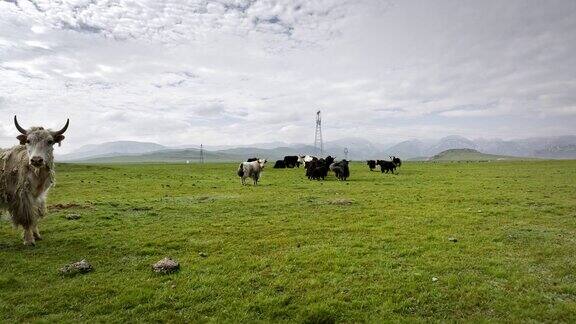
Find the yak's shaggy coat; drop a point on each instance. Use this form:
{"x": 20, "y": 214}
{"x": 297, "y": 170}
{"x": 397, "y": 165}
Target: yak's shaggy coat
{"x": 251, "y": 170}
{"x": 340, "y": 169}
{"x": 26, "y": 175}
{"x": 23, "y": 188}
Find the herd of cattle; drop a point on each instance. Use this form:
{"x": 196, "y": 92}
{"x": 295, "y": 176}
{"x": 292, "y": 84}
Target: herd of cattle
{"x": 27, "y": 173}
{"x": 316, "y": 168}
{"x": 385, "y": 166}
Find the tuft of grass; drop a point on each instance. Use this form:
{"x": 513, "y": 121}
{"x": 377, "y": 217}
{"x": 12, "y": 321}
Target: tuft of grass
{"x": 294, "y": 250}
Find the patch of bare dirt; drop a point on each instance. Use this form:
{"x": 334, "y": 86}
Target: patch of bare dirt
{"x": 341, "y": 202}
{"x": 57, "y": 207}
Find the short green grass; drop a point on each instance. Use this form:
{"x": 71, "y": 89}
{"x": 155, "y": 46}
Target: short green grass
{"x": 296, "y": 250}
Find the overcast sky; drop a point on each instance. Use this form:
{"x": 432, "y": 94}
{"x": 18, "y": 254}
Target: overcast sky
{"x": 181, "y": 72}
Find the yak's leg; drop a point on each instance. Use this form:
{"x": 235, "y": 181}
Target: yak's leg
{"x": 41, "y": 214}
{"x": 28, "y": 236}
{"x": 36, "y": 233}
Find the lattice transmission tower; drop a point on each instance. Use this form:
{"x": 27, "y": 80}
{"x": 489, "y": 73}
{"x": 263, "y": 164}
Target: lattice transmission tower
{"x": 318, "y": 143}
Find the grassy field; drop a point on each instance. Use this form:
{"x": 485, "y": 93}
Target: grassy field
{"x": 301, "y": 251}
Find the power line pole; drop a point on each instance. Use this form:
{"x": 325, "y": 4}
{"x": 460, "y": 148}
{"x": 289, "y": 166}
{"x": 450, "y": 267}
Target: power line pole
{"x": 346, "y": 153}
{"x": 318, "y": 143}
{"x": 201, "y": 153}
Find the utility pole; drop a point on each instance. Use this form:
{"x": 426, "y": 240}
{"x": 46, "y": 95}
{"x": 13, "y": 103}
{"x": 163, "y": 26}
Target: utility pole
{"x": 201, "y": 153}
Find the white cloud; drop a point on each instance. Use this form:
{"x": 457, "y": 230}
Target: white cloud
{"x": 37, "y": 44}
{"x": 210, "y": 71}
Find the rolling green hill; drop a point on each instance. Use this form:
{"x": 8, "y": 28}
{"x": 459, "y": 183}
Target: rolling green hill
{"x": 470, "y": 155}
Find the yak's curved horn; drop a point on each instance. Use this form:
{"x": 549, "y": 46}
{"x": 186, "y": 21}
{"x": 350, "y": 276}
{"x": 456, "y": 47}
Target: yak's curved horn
{"x": 60, "y": 132}
{"x": 18, "y": 127}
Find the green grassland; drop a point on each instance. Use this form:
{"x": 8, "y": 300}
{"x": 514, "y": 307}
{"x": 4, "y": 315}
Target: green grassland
{"x": 296, "y": 250}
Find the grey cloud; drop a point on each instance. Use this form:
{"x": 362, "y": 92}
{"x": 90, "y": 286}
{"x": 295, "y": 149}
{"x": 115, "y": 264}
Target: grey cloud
{"x": 210, "y": 111}
{"x": 180, "y": 20}
{"x": 212, "y": 70}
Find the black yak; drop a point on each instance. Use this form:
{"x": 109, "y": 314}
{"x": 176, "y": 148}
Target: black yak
{"x": 371, "y": 164}
{"x": 340, "y": 169}
{"x": 292, "y": 161}
{"x": 396, "y": 161}
{"x": 279, "y": 164}
{"x": 386, "y": 166}
{"x": 317, "y": 169}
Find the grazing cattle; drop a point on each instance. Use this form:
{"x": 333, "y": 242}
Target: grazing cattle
{"x": 329, "y": 160}
{"x": 310, "y": 166}
{"x": 291, "y": 161}
{"x": 251, "y": 170}
{"x": 396, "y": 161}
{"x": 252, "y": 159}
{"x": 26, "y": 175}
{"x": 301, "y": 159}
{"x": 279, "y": 164}
{"x": 340, "y": 169}
{"x": 317, "y": 169}
{"x": 371, "y": 164}
{"x": 386, "y": 166}
{"x": 308, "y": 159}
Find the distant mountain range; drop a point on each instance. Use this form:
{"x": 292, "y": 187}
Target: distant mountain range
{"x": 111, "y": 149}
{"x": 562, "y": 147}
{"x": 542, "y": 147}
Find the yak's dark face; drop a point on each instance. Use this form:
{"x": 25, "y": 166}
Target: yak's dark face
{"x": 39, "y": 143}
